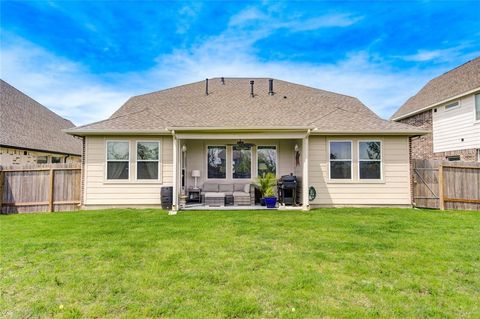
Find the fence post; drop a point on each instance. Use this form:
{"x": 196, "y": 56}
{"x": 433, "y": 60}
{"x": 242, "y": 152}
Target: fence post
{"x": 440, "y": 188}
{"x": 50, "y": 192}
{"x": 2, "y": 181}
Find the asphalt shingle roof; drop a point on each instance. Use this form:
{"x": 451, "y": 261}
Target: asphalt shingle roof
{"x": 462, "y": 79}
{"x": 25, "y": 123}
{"x": 229, "y": 105}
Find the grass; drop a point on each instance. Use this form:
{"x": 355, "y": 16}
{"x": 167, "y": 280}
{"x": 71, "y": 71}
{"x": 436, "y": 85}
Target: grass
{"x": 331, "y": 263}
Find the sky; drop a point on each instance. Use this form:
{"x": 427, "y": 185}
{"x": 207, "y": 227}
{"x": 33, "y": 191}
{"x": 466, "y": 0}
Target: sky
{"x": 84, "y": 59}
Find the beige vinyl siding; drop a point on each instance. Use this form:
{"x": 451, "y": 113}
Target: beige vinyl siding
{"x": 99, "y": 191}
{"x": 450, "y": 126}
{"x": 393, "y": 189}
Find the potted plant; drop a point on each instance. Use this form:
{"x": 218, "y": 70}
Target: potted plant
{"x": 266, "y": 184}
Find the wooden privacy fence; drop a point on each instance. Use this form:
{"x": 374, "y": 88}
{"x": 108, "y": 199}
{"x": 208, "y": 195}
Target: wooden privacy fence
{"x": 446, "y": 185}
{"x": 36, "y": 188}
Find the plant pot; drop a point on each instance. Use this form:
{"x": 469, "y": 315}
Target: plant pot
{"x": 262, "y": 201}
{"x": 270, "y": 202}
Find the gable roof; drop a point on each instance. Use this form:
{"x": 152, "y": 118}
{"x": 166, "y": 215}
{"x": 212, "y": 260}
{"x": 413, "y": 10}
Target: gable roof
{"x": 27, "y": 124}
{"x": 450, "y": 85}
{"x": 229, "y": 105}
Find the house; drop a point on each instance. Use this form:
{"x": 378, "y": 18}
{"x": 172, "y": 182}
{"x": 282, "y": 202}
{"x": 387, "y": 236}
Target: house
{"x": 227, "y": 131}
{"x": 32, "y": 134}
{"x": 449, "y": 106}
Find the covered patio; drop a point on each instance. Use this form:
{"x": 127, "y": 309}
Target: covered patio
{"x": 219, "y": 171}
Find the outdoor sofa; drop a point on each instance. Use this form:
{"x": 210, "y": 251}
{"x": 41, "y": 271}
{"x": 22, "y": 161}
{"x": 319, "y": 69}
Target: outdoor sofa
{"x": 214, "y": 194}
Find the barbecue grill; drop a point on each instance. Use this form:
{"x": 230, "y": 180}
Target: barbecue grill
{"x": 287, "y": 190}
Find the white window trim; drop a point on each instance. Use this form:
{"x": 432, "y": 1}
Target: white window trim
{"x": 341, "y": 160}
{"x": 159, "y": 162}
{"x": 380, "y": 160}
{"x": 453, "y": 107}
{"x": 276, "y": 158}
{"x": 107, "y": 160}
{"x": 251, "y": 166}
{"x": 206, "y": 162}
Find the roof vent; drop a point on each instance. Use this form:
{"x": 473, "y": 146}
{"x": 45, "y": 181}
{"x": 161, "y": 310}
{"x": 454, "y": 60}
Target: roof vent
{"x": 222, "y": 79}
{"x": 251, "y": 88}
{"x": 206, "y": 86}
{"x": 270, "y": 87}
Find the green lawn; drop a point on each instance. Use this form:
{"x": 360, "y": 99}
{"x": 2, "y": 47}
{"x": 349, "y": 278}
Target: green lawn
{"x": 331, "y": 263}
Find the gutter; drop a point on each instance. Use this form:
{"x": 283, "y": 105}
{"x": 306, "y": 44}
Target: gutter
{"x": 434, "y": 105}
{"x": 408, "y": 133}
{"x": 39, "y": 150}
{"x": 245, "y": 128}
{"x": 115, "y": 132}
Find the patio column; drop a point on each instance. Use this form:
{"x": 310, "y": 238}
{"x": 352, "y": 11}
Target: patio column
{"x": 175, "y": 174}
{"x": 305, "y": 201}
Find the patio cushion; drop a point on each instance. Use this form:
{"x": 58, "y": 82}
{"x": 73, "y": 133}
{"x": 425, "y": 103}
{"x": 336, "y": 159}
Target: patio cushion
{"x": 214, "y": 194}
{"x": 238, "y": 187}
{"x": 241, "y": 194}
{"x": 226, "y": 188}
{"x": 210, "y": 187}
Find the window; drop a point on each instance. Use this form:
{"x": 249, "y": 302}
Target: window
{"x": 118, "y": 158}
{"x": 451, "y": 106}
{"x": 477, "y": 107}
{"x": 42, "y": 159}
{"x": 56, "y": 159}
{"x": 266, "y": 160}
{"x": 370, "y": 160}
{"x": 341, "y": 160}
{"x": 217, "y": 162}
{"x": 242, "y": 161}
{"x": 453, "y": 158}
{"x": 147, "y": 160}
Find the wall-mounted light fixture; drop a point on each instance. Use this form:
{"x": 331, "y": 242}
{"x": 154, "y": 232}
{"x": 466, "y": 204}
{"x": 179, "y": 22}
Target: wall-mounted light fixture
{"x": 184, "y": 148}
{"x": 297, "y": 155}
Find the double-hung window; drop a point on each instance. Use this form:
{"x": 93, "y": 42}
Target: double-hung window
{"x": 370, "y": 159}
{"x": 340, "y": 160}
{"x": 118, "y": 159}
{"x": 147, "y": 160}
{"x": 266, "y": 160}
{"x": 242, "y": 161}
{"x": 217, "y": 162}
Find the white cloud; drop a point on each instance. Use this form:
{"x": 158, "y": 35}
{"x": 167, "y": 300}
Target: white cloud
{"x": 64, "y": 86}
{"x": 328, "y": 21}
{"x": 269, "y": 21}
{"x": 71, "y": 90}
{"x": 441, "y": 55}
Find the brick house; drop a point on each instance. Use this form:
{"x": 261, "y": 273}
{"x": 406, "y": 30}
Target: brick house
{"x": 449, "y": 107}
{"x": 30, "y": 133}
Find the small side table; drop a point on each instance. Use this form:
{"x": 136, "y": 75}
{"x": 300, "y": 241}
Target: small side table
{"x": 194, "y": 195}
{"x": 228, "y": 200}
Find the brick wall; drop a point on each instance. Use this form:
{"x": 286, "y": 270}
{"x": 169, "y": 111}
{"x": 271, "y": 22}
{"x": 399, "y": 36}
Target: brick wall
{"x": 422, "y": 146}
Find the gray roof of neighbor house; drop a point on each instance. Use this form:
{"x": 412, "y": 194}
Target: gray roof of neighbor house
{"x": 27, "y": 124}
{"x": 229, "y": 105}
{"x": 453, "y": 84}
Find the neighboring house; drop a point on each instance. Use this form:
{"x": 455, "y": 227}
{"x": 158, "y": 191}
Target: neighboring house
{"x": 449, "y": 106}
{"x": 230, "y": 130}
{"x": 32, "y": 134}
